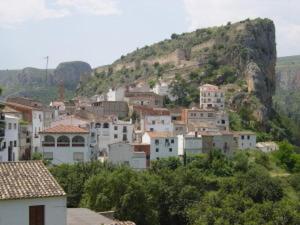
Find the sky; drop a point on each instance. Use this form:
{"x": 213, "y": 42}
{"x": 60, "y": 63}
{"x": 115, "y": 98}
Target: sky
{"x": 100, "y": 31}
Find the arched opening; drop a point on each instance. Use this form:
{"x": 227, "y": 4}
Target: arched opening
{"x": 98, "y": 125}
{"x": 106, "y": 125}
{"x": 78, "y": 141}
{"x": 49, "y": 141}
{"x": 63, "y": 141}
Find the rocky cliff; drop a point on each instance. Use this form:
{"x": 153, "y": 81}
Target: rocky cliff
{"x": 33, "y": 82}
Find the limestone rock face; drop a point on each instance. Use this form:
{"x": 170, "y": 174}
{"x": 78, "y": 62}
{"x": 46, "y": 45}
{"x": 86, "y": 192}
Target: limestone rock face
{"x": 71, "y": 73}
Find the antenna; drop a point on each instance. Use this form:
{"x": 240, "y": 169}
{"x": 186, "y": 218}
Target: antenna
{"x": 47, "y": 61}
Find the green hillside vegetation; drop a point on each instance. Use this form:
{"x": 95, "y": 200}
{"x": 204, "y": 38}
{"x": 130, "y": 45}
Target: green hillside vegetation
{"x": 287, "y": 95}
{"x": 250, "y": 187}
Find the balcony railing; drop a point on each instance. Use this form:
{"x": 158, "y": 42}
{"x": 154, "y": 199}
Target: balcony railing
{"x": 63, "y": 144}
{"x": 48, "y": 144}
{"x": 78, "y": 144}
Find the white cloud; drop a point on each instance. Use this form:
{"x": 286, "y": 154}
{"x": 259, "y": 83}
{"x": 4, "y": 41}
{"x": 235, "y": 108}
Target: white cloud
{"x": 284, "y": 13}
{"x": 13, "y": 12}
{"x": 96, "y": 7}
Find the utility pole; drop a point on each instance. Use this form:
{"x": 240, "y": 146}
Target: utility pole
{"x": 47, "y": 61}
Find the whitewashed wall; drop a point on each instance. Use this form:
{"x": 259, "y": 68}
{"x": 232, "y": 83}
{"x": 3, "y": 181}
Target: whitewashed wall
{"x": 16, "y": 212}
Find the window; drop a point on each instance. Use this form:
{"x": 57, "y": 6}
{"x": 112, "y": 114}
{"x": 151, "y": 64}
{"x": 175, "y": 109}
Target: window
{"x": 40, "y": 117}
{"x": 153, "y": 122}
{"x": 78, "y": 141}
{"x": 15, "y": 126}
{"x": 49, "y": 141}
{"x": 243, "y": 137}
{"x": 124, "y": 129}
{"x": 172, "y": 141}
{"x": 210, "y": 115}
{"x": 15, "y": 143}
{"x": 4, "y": 145}
{"x": 115, "y": 127}
{"x": 48, "y": 155}
{"x": 115, "y": 136}
{"x": 63, "y": 141}
{"x": 78, "y": 156}
{"x": 170, "y": 150}
{"x": 37, "y": 215}
{"x": 98, "y": 125}
{"x": 157, "y": 158}
{"x": 151, "y": 129}
{"x": 157, "y": 142}
{"x": 9, "y": 126}
{"x": 248, "y": 137}
{"x": 163, "y": 122}
{"x": 223, "y": 121}
{"x": 105, "y": 125}
{"x": 124, "y": 137}
{"x": 157, "y": 149}
{"x": 93, "y": 134}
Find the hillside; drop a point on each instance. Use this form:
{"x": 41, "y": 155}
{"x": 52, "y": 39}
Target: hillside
{"x": 287, "y": 95}
{"x": 239, "y": 57}
{"x": 32, "y": 82}
{"x": 242, "y": 53}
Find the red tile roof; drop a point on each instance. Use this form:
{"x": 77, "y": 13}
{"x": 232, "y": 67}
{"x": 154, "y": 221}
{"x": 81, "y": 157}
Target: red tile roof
{"x": 65, "y": 129}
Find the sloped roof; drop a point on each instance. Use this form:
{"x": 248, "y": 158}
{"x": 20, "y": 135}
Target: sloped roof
{"x": 163, "y": 134}
{"x": 27, "y": 179}
{"x": 65, "y": 129}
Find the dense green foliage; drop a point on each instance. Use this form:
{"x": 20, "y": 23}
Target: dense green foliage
{"x": 247, "y": 188}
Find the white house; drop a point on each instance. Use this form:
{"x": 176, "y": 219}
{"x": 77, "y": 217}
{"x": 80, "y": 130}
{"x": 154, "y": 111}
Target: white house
{"x": 116, "y": 94}
{"x": 160, "y": 123}
{"x": 211, "y": 97}
{"x": 9, "y": 150}
{"x": 269, "y": 146}
{"x": 162, "y": 144}
{"x": 162, "y": 88}
{"x": 29, "y": 195}
{"x": 123, "y": 153}
{"x": 109, "y": 130}
{"x": 245, "y": 139}
{"x": 65, "y": 144}
{"x": 190, "y": 143}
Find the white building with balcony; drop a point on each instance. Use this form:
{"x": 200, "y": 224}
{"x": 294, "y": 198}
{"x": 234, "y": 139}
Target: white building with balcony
{"x": 162, "y": 144}
{"x": 9, "y": 150}
{"x": 211, "y": 97}
{"x": 65, "y": 144}
{"x": 109, "y": 130}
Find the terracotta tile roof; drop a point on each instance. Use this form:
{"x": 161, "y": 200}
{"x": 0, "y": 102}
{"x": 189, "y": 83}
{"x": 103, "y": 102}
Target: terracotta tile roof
{"x": 163, "y": 134}
{"x": 27, "y": 179}
{"x": 69, "y": 129}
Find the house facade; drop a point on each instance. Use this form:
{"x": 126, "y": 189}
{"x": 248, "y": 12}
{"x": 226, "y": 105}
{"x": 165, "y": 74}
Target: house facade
{"x": 65, "y": 144}
{"x": 29, "y": 195}
{"x": 109, "y": 130}
{"x": 162, "y": 144}
{"x": 157, "y": 123}
{"x": 9, "y": 150}
{"x": 123, "y": 153}
{"x": 190, "y": 143}
{"x": 245, "y": 140}
{"x": 144, "y": 98}
{"x": 222, "y": 141}
{"x": 211, "y": 97}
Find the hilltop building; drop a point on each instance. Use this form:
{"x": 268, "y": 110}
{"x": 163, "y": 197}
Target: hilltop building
{"x": 211, "y": 97}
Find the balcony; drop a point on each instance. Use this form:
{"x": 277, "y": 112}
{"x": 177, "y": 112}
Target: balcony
{"x": 78, "y": 144}
{"x": 48, "y": 144}
{"x": 63, "y": 144}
